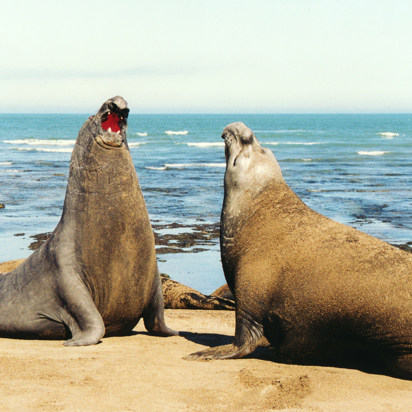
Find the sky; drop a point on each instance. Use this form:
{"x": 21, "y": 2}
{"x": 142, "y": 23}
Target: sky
{"x": 215, "y": 56}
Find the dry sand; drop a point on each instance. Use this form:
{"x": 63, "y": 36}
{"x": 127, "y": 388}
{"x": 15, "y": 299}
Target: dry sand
{"x": 147, "y": 373}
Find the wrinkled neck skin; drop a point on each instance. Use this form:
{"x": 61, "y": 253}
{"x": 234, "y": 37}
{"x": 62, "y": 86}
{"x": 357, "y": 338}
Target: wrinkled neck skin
{"x": 101, "y": 173}
{"x": 250, "y": 169}
{"x": 101, "y": 159}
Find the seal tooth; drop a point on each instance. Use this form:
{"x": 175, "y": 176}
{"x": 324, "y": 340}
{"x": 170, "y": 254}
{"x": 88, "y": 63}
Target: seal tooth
{"x": 118, "y": 132}
{"x": 109, "y": 129}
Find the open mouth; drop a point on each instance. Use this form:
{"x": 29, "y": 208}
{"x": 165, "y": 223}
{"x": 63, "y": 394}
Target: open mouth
{"x": 114, "y": 119}
{"x": 112, "y": 123}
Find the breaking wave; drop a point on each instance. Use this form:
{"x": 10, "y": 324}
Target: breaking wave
{"x": 186, "y": 166}
{"x": 372, "y": 153}
{"x": 41, "y": 142}
{"x": 292, "y": 143}
{"x": 206, "y": 144}
{"x": 388, "y": 135}
{"x": 170, "y": 132}
{"x": 40, "y": 149}
{"x": 135, "y": 144}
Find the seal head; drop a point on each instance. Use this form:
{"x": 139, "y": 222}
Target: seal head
{"x": 249, "y": 166}
{"x": 109, "y": 125}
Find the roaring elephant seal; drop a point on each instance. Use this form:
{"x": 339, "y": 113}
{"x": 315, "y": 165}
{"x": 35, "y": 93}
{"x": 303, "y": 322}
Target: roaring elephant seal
{"x": 305, "y": 285}
{"x": 97, "y": 273}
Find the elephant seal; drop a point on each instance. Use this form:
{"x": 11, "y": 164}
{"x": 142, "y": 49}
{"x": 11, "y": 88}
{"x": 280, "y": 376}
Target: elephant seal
{"x": 97, "y": 273}
{"x": 305, "y": 285}
{"x": 224, "y": 292}
{"x": 179, "y": 296}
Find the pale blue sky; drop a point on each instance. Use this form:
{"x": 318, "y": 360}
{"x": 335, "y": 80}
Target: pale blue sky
{"x": 215, "y": 56}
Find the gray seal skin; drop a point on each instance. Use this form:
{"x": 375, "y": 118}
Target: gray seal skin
{"x": 305, "y": 285}
{"x": 97, "y": 273}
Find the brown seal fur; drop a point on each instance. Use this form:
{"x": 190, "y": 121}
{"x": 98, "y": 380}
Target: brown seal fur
{"x": 179, "y": 296}
{"x": 305, "y": 285}
{"x": 224, "y": 292}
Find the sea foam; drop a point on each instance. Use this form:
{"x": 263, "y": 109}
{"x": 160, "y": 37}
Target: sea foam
{"x": 193, "y": 165}
{"x": 41, "y": 142}
{"x": 6, "y": 163}
{"x": 155, "y": 168}
{"x": 186, "y": 166}
{"x": 134, "y": 144}
{"x": 372, "y": 153}
{"x": 170, "y": 132}
{"x": 292, "y": 143}
{"x": 206, "y": 144}
{"x": 40, "y": 149}
{"x": 388, "y": 135}
{"x": 281, "y": 131}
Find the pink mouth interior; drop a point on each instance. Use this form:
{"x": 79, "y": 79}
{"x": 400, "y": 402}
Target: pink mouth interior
{"x": 112, "y": 123}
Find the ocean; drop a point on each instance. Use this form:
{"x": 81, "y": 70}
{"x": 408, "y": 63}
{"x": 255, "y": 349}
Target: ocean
{"x": 356, "y": 169}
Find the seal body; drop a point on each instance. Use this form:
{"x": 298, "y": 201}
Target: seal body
{"x": 305, "y": 285}
{"x": 97, "y": 273}
{"x": 179, "y": 296}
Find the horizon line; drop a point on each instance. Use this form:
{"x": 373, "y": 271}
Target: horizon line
{"x": 219, "y": 114}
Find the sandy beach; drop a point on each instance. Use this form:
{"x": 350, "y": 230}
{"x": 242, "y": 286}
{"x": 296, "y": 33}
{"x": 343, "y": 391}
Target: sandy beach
{"x": 147, "y": 373}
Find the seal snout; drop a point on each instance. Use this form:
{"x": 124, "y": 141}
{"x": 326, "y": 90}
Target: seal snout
{"x": 239, "y": 131}
{"x": 236, "y": 136}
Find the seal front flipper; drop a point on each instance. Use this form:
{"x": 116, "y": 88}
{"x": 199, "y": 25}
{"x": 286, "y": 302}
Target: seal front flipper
{"x": 153, "y": 316}
{"x": 81, "y": 315}
{"x": 248, "y": 337}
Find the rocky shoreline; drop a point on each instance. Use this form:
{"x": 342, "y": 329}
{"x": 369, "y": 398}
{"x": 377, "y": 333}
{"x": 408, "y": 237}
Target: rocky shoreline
{"x": 203, "y": 234}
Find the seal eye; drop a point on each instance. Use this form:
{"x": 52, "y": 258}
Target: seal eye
{"x": 111, "y": 123}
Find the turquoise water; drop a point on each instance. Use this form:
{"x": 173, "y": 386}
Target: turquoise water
{"x": 356, "y": 169}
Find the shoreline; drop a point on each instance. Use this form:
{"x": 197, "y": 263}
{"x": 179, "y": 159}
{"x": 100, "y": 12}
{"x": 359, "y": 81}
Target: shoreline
{"x": 186, "y": 240}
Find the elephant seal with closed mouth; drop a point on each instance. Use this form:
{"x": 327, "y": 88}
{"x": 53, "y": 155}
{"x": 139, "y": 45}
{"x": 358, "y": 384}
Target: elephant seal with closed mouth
{"x": 305, "y": 285}
{"x": 97, "y": 273}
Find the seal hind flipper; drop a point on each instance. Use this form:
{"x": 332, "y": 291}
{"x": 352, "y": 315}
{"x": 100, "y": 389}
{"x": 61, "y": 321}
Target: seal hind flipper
{"x": 248, "y": 337}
